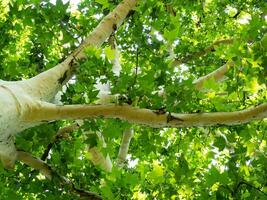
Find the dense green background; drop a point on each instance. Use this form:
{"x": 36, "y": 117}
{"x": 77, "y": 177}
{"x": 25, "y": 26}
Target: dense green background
{"x": 217, "y": 162}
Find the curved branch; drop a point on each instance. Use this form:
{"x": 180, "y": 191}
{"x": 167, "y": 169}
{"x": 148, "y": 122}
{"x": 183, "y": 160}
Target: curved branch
{"x": 98, "y": 159}
{"x": 47, "y": 112}
{"x": 217, "y": 75}
{"x": 62, "y": 133}
{"x": 46, "y": 170}
{"x": 202, "y": 52}
{"x": 249, "y": 185}
{"x": 35, "y": 163}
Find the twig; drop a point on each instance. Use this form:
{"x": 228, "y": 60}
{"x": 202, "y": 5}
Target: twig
{"x": 201, "y": 53}
{"x": 62, "y": 133}
{"x": 250, "y": 185}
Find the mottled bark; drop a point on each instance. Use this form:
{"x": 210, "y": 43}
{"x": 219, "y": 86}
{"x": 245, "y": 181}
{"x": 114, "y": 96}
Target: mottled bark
{"x": 146, "y": 117}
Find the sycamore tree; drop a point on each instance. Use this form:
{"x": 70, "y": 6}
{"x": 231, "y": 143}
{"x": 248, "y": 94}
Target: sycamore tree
{"x": 133, "y": 99}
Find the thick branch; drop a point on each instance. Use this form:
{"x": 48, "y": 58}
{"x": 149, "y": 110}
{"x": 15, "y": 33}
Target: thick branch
{"x": 106, "y": 27}
{"x": 46, "y": 111}
{"x": 45, "y": 85}
{"x": 45, "y": 169}
{"x": 35, "y": 163}
{"x": 98, "y": 159}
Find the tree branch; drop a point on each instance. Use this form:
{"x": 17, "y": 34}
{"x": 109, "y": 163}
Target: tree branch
{"x": 47, "y": 112}
{"x": 97, "y": 156}
{"x": 45, "y": 85}
{"x": 98, "y": 159}
{"x": 35, "y": 163}
{"x": 201, "y": 53}
{"x": 116, "y": 66}
{"x": 127, "y": 136}
{"x": 45, "y": 169}
{"x": 249, "y": 185}
{"x": 106, "y": 27}
{"x": 217, "y": 75}
{"x": 62, "y": 133}
{"x": 104, "y": 96}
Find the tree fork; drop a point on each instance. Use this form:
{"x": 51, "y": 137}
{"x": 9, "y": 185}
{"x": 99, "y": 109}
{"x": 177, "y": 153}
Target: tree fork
{"x": 18, "y": 97}
{"x": 45, "y": 85}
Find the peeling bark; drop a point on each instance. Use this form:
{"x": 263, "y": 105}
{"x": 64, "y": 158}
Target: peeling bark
{"x": 25, "y": 104}
{"x": 140, "y": 116}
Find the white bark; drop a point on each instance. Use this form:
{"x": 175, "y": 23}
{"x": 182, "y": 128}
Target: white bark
{"x": 46, "y": 111}
{"x": 126, "y": 139}
{"x": 45, "y": 85}
{"x": 104, "y": 96}
{"x": 13, "y": 102}
{"x": 97, "y": 156}
{"x": 217, "y": 75}
{"x": 25, "y": 104}
{"x": 98, "y": 159}
{"x": 116, "y": 65}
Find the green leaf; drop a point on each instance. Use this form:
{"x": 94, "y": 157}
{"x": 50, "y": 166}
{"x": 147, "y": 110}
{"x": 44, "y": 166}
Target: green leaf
{"x": 171, "y": 35}
{"x": 211, "y": 84}
{"x": 110, "y": 53}
{"x": 104, "y": 3}
{"x": 156, "y": 175}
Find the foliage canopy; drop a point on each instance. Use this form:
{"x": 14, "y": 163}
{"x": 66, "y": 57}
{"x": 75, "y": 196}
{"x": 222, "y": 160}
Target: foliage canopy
{"x": 164, "y": 46}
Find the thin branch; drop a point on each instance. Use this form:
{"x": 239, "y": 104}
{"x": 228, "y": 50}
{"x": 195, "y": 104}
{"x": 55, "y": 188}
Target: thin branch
{"x": 126, "y": 139}
{"x": 217, "y": 75}
{"x": 201, "y": 53}
{"x": 250, "y": 185}
{"x": 48, "y": 112}
{"x": 62, "y": 133}
{"x": 104, "y": 96}
{"x": 45, "y": 169}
